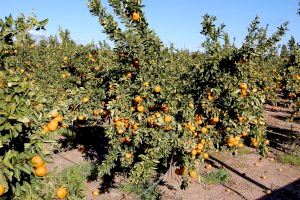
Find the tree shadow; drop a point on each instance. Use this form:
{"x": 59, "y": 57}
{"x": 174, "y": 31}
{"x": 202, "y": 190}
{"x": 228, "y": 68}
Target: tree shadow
{"x": 281, "y": 139}
{"x": 288, "y": 192}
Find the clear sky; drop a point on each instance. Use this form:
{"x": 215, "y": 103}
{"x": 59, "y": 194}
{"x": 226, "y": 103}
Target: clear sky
{"x": 176, "y": 21}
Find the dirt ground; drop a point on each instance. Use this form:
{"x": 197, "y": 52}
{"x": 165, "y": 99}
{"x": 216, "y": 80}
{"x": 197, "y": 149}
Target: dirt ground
{"x": 251, "y": 176}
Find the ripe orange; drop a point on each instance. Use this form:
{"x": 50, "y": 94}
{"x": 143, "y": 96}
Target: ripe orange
{"x": 61, "y": 193}
{"x": 135, "y": 126}
{"x": 215, "y": 120}
{"x": 157, "y": 114}
{"x": 138, "y": 99}
{"x": 204, "y": 130}
{"x": 157, "y": 89}
{"x": 128, "y": 155}
{"x": 168, "y": 118}
{"x": 193, "y": 174}
{"x": 52, "y": 125}
{"x": 2, "y": 190}
{"x": 267, "y": 142}
{"x": 244, "y": 133}
{"x": 59, "y": 119}
{"x": 95, "y": 193}
{"x": 244, "y": 93}
{"x": 81, "y": 117}
{"x": 202, "y": 141}
{"x": 135, "y": 16}
{"x": 192, "y": 128}
{"x": 37, "y": 161}
{"x": 194, "y": 152}
{"x": 200, "y": 146}
{"x": 85, "y": 99}
{"x": 140, "y": 109}
{"x": 45, "y": 128}
{"x": 243, "y": 86}
{"x": 167, "y": 128}
{"x": 54, "y": 113}
{"x": 205, "y": 156}
{"x": 96, "y": 112}
{"x": 41, "y": 171}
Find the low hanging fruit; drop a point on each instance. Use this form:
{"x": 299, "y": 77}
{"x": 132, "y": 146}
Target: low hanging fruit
{"x": 62, "y": 193}
{"x": 157, "y": 89}
{"x": 41, "y": 171}
{"x": 2, "y": 190}
{"x": 37, "y": 161}
{"x": 53, "y": 125}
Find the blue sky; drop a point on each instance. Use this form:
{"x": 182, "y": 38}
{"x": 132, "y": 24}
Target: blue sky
{"x": 176, "y": 21}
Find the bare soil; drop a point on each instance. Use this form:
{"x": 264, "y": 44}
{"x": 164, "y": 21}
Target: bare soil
{"x": 251, "y": 176}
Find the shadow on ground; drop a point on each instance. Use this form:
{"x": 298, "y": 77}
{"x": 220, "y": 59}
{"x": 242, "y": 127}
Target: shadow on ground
{"x": 288, "y": 192}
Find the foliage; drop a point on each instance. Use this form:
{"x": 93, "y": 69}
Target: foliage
{"x": 289, "y": 159}
{"x": 219, "y": 176}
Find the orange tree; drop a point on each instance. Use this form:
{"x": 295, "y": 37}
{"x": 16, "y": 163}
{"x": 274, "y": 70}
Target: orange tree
{"x": 291, "y": 74}
{"x": 165, "y": 112}
{"x": 19, "y": 121}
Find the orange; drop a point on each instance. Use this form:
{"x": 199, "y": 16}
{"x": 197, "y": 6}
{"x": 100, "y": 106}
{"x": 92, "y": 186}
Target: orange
{"x": 194, "y": 152}
{"x": 54, "y": 113}
{"x": 61, "y": 193}
{"x": 200, "y": 146}
{"x": 41, "y": 171}
{"x": 157, "y": 114}
{"x": 215, "y": 120}
{"x": 243, "y": 86}
{"x": 135, "y": 16}
{"x": 157, "y": 89}
{"x": 2, "y": 190}
{"x": 59, "y": 119}
{"x": 37, "y": 161}
{"x": 96, "y": 112}
{"x": 267, "y": 142}
{"x": 45, "y": 128}
{"x": 135, "y": 126}
{"x": 168, "y": 118}
{"x": 192, "y": 128}
{"x": 95, "y": 193}
{"x": 244, "y": 133}
{"x": 53, "y": 125}
{"x": 138, "y": 99}
{"x": 205, "y": 156}
{"x": 203, "y": 141}
{"x": 167, "y": 128}
{"x": 193, "y": 174}
{"x": 204, "y": 130}
{"x": 210, "y": 98}
{"x": 128, "y": 155}
{"x": 81, "y": 117}
{"x": 244, "y": 93}
{"x": 140, "y": 109}
{"x": 85, "y": 99}
{"x": 120, "y": 131}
